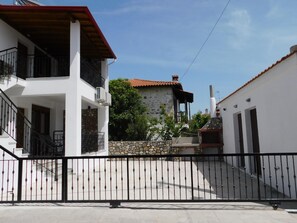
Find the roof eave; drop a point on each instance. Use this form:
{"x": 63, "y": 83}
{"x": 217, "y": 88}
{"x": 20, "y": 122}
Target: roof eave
{"x": 69, "y": 9}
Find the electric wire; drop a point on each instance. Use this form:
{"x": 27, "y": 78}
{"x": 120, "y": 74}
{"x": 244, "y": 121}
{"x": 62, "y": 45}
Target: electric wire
{"x": 207, "y": 38}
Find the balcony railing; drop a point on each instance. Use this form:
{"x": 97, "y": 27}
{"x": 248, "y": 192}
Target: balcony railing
{"x": 90, "y": 71}
{"x": 35, "y": 66}
{"x": 7, "y": 63}
{"x": 92, "y": 142}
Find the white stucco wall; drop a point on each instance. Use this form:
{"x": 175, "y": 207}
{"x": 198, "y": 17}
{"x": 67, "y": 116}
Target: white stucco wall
{"x": 274, "y": 97}
{"x": 12, "y": 37}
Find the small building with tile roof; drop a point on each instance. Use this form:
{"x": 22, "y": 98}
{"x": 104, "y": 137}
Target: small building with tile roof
{"x": 167, "y": 93}
{"x": 260, "y": 116}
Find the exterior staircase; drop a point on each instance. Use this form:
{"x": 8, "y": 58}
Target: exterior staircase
{"x": 34, "y": 144}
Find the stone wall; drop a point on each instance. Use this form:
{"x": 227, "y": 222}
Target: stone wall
{"x": 150, "y": 148}
{"x": 141, "y": 148}
{"x": 154, "y": 97}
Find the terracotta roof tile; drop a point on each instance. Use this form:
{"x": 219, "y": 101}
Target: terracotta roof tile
{"x": 259, "y": 75}
{"x": 148, "y": 83}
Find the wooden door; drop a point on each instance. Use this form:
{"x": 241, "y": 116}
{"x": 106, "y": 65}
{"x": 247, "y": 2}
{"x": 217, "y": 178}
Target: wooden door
{"x": 240, "y": 135}
{"x": 255, "y": 140}
{"x": 41, "y": 126}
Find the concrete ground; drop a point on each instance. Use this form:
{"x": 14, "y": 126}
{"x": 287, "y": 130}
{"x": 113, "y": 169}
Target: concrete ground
{"x": 147, "y": 212}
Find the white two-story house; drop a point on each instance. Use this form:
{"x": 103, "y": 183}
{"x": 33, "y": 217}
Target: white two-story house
{"x": 54, "y": 81}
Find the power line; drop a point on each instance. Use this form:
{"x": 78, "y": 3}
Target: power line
{"x": 200, "y": 49}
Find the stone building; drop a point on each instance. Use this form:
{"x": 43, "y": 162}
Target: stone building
{"x": 167, "y": 93}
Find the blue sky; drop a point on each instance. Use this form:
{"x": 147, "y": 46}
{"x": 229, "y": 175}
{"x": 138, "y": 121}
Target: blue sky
{"x": 154, "y": 39}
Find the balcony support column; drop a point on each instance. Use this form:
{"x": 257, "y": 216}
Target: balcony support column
{"x": 73, "y": 96}
{"x": 103, "y": 111}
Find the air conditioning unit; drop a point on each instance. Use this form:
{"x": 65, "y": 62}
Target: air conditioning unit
{"x": 100, "y": 95}
{"x": 108, "y": 99}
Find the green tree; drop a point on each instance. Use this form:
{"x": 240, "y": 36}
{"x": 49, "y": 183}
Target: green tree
{"x": 127, "y": 115}
{"x": 198, "y": 121}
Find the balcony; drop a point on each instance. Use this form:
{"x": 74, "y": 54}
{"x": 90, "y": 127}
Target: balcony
{"x": 39, "y": 65}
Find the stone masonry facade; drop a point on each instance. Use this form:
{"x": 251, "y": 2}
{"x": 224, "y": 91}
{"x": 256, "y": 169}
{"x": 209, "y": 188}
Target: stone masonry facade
{"x": 155, "y": 97}
{"x": 141, "y": 148}
{"x": 147, "y": 148}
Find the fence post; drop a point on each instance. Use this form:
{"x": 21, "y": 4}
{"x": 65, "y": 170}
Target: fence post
{"x": 20, "y": 179}
{"x": 64, "y": 178}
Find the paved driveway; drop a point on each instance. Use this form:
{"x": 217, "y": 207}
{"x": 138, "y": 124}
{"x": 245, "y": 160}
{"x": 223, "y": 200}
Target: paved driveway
{"x": 146, "y": 213}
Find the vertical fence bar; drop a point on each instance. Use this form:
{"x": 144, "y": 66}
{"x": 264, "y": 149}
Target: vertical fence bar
{"x": 20, "y": 179}
{"x": 192, "y": 183}
{"x": 294, "y": 175}
{"x": 264, "y": 176}
{"x": 258, "y": 169}
{"x": 128, "y": 181}
{"x": 288, "y": 175}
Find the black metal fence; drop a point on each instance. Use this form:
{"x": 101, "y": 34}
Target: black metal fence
{"x": 159, "y": 178}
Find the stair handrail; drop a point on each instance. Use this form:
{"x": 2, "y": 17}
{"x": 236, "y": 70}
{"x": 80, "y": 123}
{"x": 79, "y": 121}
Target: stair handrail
{"x": 41, "y": 139}
{"x": 14, "y": 108}
{"x": 11, "y": 48}
{"x": 9, "y": 152}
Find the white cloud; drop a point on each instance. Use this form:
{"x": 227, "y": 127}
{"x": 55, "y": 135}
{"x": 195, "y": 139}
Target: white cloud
{"x": 240, "y": 27}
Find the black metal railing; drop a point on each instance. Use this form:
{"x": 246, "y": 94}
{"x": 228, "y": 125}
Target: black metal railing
{"x": 46, "y": 66}
{"x": 159, "y": 178}
{"x": 16, "y": 125}
{"x": 59, "y": 140}
{"x": 9, "y": 119}
{"x": 92, "y": 141}
{"x": 35, "y": 66}
{"x": 91, "y": 72}
{"x": 8, "y": 63}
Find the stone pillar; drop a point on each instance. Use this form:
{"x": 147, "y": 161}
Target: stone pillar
{"x": 73, "y": 96}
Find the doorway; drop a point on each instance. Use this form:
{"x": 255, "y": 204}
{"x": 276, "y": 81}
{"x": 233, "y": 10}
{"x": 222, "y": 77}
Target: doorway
{"x": 42, "y": 64}
{"x": 254, "y": 141}
{"x": 22, "y": 61}
{"x": 89, "y": 139}
{"x": 239, "y": 147}
{"x": 41, "y": 126}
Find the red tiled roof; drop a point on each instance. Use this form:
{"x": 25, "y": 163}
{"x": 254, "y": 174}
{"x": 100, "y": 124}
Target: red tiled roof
{"x": 148, "y": 83}
{"x": 259, "y": 75}
{"x": 178, "y": 89}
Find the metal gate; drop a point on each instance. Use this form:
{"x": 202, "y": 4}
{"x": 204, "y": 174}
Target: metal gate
{"x": 159, "y": 178}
